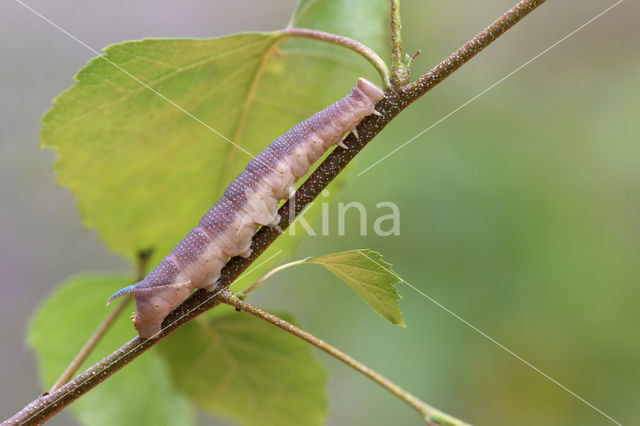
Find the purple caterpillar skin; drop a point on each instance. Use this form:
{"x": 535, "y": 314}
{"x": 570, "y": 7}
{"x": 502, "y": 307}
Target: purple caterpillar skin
{"x": 249, "y": 202}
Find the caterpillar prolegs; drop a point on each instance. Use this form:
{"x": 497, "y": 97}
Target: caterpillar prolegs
{"x": 250, "y": 201}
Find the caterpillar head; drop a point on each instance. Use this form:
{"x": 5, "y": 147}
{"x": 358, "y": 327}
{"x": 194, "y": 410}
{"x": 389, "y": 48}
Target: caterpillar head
{"x": 373, "y": 92}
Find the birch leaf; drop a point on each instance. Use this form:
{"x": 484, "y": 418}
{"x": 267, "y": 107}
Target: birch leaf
{"x": 370, "y": 277}
{"x": 248, "y": 370}
{"x": 134, "y": 138}
{"x": 141, "y": 394}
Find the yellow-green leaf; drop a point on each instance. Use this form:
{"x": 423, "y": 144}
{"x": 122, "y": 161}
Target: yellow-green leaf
{"x": 370, "y": 276}
{"x": 143, "y": 171}
{"x": 140, "y": 394}
{"x": 248, "y": 370}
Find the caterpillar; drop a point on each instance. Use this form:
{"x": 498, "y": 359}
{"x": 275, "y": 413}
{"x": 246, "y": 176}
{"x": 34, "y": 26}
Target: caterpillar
{"x": 250, "y": 201}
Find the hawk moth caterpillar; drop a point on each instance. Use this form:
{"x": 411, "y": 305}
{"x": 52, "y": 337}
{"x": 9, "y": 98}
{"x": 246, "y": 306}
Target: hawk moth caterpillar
{"x": 250, "y": 201}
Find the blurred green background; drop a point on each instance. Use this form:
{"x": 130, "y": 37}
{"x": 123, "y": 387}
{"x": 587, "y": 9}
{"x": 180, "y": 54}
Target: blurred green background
{"x": 519, "y": 213}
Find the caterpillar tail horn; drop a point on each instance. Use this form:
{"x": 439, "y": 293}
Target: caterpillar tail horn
{"x": 120, "y": 293}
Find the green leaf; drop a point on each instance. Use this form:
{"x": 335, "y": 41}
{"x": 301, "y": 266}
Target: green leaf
{"x": 142, "y": 170}
{"x": 248, "y": 370}
{"x": 362, "y": 20}
{"x": 370, "y": 276}
{"x": 141, "y": 394}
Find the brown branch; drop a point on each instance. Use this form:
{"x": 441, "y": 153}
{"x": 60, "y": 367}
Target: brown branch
{"x": 90, "y": 345}
{"x": 50, "y": 403}
{"x": 471, "y": 48}
{"x": 105, "y": 325}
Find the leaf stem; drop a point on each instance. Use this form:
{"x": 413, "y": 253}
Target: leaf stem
{"x": 89, "y": 346}
{"x": 47, "y": 405}
{"x": 429, "y": 413}
{"x": 399, "y": 69}
{"x": 346, "y": 42}
{"x": 269, "y": 275}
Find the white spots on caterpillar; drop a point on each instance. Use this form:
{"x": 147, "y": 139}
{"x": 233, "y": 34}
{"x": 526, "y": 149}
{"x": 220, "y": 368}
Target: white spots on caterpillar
{"x": 376, "y": 112}
{"x": 254, "y": 198}
{"x": 276, "y": 227}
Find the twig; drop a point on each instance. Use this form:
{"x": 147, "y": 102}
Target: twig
{"x": 49, "y": 404}
{"x": 399, "y": 69}
{"x": 269, "y": 275}
{"x": 345, "y": 42}
{"x": 429, "y": 413}
{"x": 91, "y": 343}
{"x": 143, "y": 258}
{"x": 472, "y": 47}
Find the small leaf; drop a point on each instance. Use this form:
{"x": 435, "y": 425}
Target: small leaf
{"x": 248, "y": 370}
{"x": 369, "y": 276}
{"x": 140, "y": 394}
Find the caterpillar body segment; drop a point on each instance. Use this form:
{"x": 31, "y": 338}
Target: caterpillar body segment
{"x": 250, "y": 201}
